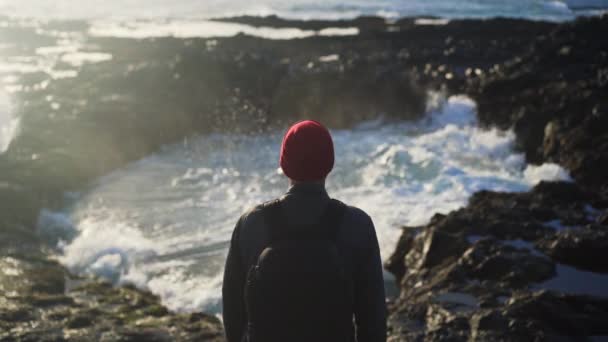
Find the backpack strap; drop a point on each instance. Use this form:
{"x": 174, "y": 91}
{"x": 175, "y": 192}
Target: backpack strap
{"x": 326, "y": 228}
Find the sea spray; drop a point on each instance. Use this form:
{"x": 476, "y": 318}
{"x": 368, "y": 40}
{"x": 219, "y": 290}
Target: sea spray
{"x": 164, "y": 222}
{"x": 8, "y": 123}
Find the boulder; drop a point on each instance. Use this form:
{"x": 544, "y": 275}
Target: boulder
{"x": 396, "y": 262}
{"x": 492, "y": 260}
{"x": 557, "y": 315}
{"x": 526, "y": 94}
{"x": 433, "y": 247}
{"x": 582, "y": 248}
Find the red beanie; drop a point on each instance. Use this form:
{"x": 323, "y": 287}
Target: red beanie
{"x": 307, "y": 152}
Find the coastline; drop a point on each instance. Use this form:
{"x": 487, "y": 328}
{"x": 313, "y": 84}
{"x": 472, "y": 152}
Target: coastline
{"x": 388, "y": 65}
{"x": 522, "y": 266}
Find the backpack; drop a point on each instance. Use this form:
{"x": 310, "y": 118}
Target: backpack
{"x": 298, "y": 290}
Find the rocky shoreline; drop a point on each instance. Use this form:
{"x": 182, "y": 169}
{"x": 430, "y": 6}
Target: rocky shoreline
{"x": 508, "y": 267}
{"x": 523, "y": 266}
{"x": 471, "y": 274}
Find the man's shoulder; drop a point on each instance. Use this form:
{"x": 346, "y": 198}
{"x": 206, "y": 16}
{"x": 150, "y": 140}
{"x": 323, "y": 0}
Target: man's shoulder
{"x": 254, "y": 214}
{"x": 358, "y": 229}
{"x": 355, "y": 218}
{"x": 357, "y": 214}
{"x": 358, "y": 221}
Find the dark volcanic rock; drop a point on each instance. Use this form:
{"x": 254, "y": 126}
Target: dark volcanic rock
{"x": 79, "y": 321}
{"x": 471, "y": 274}
{"x": 582, "y": 248}
{"x": 603, "y": 218}
{"x": 432, "y": 247}
{"x": 529, "y": 95}
{"x": 93, "y": 311}
{"x": 489, "y": 260}
{"x": 542, "y": 316}
{"x": 396, "y": 262}
{"x": 554, "y": 97}
{"x": 554, "y": 315}
{"x": 362, "y": 23}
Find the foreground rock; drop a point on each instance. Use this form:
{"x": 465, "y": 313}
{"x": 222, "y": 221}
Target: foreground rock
{"x": 496, "y": 270}
{"x": 35, "y": 306}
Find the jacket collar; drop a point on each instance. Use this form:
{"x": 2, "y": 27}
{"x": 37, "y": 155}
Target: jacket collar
{"x": 307, "y": 189}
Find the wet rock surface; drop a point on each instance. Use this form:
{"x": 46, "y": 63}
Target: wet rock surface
{"x": 530, "y": 267}
{"x": 491, "y": 261}
{"x": 555, "y": 98}
{"x": 51, "y": 305}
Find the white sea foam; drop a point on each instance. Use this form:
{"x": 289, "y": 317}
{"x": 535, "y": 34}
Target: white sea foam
{"x": 107, "y": 247}
{"x": 186, "y": 28}
{"x": 557, "y": 6}
{"x": 548, "y": 171}
{"x": 56, "y": 50}
{"x": 339, "y": 31}
{"x": 67, "y": 53}
{"x": 77, "y": 59}
{"x": 9, "y": 125}
{"x": 434, "y": 22}
{"x": 164, "y": 222}
{"x": 329, "y": 58}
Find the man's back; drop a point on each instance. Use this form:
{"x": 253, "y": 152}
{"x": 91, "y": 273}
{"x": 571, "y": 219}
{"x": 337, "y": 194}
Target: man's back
{"x": 357, "y": 245}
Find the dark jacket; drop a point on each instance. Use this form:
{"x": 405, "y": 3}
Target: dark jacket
{"x": 357, "y": 243}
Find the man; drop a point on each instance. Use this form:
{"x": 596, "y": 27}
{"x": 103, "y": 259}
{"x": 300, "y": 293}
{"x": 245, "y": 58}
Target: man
{"x": 304, "y": 267}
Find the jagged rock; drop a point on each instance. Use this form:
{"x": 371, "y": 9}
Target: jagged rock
{"x": 473, "y": 264}
{"x": 433, "y": 246}
{"x": 491, "y": 260}
{"x": 46, "y": 300}
{"x": 23, "y": 274}
{"x": 79, "y": 321}
{"x": 527, "y": 95}
{"x": 555, "y": 315}
{"x": 488, "y": 320}
{"x": 91, "y": 311}
{"x": 603, "y": 218}
{"x": 489, "y": 325}
{"x": 396, "y": 262}
{"x": 17, "y": 314}
{"x": 138, "y": 335}
{"x": 582, "y": 248}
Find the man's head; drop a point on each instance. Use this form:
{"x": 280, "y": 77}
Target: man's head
{"x": 307, "y": 152}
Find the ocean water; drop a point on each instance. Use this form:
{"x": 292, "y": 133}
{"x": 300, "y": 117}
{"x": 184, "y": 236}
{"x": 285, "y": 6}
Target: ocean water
{"x": 164, "y": 222}
{"x": 303, "y": 9}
